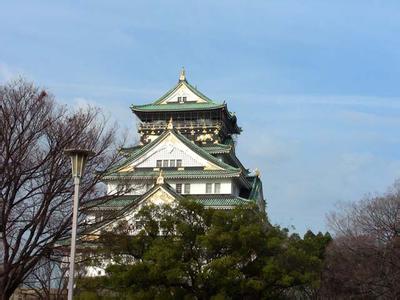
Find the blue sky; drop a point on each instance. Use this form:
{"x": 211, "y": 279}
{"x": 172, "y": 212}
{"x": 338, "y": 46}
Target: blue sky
{"x": 315, "y": 84}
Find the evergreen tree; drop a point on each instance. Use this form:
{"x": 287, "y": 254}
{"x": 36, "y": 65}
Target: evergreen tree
{"x": 189, "y": 252}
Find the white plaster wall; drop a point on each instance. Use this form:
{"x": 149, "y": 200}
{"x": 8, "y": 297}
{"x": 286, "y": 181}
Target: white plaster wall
{"x": 134, "y": 187}
{"x": 197, "y": 187}
{"x": 171, "y": 152}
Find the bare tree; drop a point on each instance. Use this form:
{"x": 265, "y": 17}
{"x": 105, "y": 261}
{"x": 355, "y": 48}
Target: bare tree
{"x": 49, "y": 277}
{"x": 364, "y": 258}
{"x": 35, "y": 177}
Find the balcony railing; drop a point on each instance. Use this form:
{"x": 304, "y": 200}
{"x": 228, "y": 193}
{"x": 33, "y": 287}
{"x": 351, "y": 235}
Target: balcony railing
{"x": 181, "y": 124}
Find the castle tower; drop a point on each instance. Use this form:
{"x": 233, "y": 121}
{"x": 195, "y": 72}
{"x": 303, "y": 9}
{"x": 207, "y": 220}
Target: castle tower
{"x": 186, "y": 149}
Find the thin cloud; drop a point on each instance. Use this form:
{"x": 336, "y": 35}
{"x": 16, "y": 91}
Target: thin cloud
{"x": 339, "y": 100}
{"x": 82, "y": 87}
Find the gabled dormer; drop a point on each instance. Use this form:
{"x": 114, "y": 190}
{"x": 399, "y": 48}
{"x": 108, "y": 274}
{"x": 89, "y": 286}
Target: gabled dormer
{"x": 174, "y": 153}
{"x": 184, "y": 93}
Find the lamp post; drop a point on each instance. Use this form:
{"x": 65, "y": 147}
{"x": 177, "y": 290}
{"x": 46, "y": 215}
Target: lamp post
{"x": 78, "y": 160}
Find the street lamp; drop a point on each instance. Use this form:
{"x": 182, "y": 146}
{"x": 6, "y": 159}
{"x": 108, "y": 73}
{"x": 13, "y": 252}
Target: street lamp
{"x": 78, "y": 160}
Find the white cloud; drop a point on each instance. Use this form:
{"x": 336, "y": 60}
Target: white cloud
{"x": 368, "y": 118}
{"x": 338, "y": 100}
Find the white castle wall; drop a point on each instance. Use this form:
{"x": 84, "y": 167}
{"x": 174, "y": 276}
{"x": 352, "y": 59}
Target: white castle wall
{"x": 197, "y": 187}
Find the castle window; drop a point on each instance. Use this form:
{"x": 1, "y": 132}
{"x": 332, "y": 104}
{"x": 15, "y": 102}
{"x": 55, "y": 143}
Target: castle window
{"x": 208, "y": 188}
{"x": 179, "y": 163}
{"x": 178, "y": 188}
{"x": 182, "y": 99}
{"x": 187, "y": 188}
{"x": 172, "y": 163}
{"x": 217, "y": 188}
{"x": 159, "y": 163}
{"x": 165, "y": 163}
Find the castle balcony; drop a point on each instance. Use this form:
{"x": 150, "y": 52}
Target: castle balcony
{"x": 161, "y": 125}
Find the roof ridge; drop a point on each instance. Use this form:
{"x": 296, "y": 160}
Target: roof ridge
{"x": 198, "y": 93}
{"x": 169, "y": 92}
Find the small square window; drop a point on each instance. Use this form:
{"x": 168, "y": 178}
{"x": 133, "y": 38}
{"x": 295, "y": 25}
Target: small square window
{"x": 172, "y": 163}
{"x": 165, "y": 163}
{"x": 217, "y": 188}
{"x": 179, "y": 163}
{"x": 180, "y": 99}
{"x": 187, "y": 188}
{"x": 178, "y": 188}
{"x": 184, "y": 99}
{"x": 208, "y": 188}
{"x": 159, "y": 163}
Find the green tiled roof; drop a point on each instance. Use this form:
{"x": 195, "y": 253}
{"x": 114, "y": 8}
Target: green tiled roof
{"x": 211, "y": 148}
{"x": 176, "y": 106}
{"x": 112, "y": 203}
{"x": 206, "y": 200}
{"x": 173, "y": 174}
{"x": 127, "y": 150}
{"x": 219, "y": 200}
{"x": 217, "y": 148}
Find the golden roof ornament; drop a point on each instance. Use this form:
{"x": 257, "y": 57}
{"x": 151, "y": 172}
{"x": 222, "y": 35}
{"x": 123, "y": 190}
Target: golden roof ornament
{"x": 257, "y": 172}
{"x": 160, "y": 178}
{"x": 170, "y": 124}
{"x": 182, "y": 76}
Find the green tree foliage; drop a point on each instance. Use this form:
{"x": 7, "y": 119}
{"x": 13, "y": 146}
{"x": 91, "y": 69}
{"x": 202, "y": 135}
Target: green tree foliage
{"x": 189, "y": 252}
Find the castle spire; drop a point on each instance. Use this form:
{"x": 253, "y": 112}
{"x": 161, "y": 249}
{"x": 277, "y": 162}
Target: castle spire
{"x": 182, "y": 76}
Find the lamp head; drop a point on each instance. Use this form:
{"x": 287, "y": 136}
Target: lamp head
{"x": 78, "y": 160}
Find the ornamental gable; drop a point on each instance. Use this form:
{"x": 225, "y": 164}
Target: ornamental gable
{"x": 183, "y": 95}
{"x": 158, "y": 195}
{"x": 170, "y": 148}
